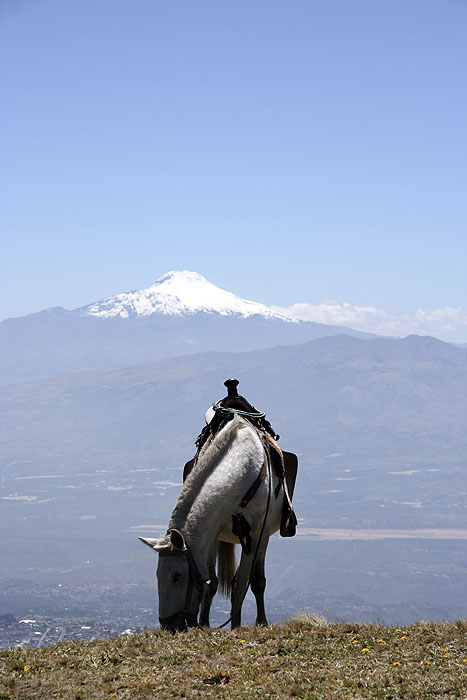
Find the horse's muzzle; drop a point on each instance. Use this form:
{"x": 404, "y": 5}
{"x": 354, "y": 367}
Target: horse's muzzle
{"x": 178, "y": 622}
{"x": 174, "y": 623}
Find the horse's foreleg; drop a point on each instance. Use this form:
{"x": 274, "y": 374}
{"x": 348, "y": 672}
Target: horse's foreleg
{"x": 258, "y": 585}
{"x": 210, "y": 590}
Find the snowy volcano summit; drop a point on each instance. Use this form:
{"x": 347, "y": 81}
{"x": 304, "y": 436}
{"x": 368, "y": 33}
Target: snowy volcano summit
{"x": 181, "y": 314}
{"x": 176, "y": 294}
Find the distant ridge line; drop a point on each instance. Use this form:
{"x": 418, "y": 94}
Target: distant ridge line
{"x": 341, "y": 534}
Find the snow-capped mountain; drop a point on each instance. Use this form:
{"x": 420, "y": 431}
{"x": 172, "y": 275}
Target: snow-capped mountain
{"x": 182, "y": 313}
{"x": 178, "y": 293}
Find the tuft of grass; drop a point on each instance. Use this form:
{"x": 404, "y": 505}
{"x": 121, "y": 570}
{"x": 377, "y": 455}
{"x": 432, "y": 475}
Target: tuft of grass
{"x": 305, "y": 657}
{"x": 308, "y": 620}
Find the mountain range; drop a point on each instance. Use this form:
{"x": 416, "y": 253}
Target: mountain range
{"x": 182, "y": 313}
{"x": 336, "y": 393}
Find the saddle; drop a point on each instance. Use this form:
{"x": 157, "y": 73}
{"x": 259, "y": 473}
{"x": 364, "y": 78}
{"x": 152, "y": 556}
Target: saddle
{"x": 285, "y": 464}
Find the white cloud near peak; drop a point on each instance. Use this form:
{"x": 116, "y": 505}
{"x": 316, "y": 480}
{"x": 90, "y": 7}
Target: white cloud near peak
{"x": 446, "y": 323}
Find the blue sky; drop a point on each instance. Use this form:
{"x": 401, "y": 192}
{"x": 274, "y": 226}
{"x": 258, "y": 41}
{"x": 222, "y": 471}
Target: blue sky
{"x": 289, "y": 152}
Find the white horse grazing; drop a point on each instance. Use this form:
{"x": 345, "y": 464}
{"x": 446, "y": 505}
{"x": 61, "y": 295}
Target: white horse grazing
{"x": 232, "y": 467}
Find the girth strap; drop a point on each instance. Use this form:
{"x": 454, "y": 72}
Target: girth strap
{"x": 254, "y": 487}
{"x": 242, "y": 528}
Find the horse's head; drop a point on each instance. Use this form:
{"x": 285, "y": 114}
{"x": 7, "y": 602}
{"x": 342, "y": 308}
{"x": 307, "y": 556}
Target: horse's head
{"x": 178, "y": 580}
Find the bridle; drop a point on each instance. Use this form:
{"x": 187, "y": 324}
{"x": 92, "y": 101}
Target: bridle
{"x": 183, "y": 619}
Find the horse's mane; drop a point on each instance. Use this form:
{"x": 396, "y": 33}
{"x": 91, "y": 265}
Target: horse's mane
{"x": 208, "y": 457}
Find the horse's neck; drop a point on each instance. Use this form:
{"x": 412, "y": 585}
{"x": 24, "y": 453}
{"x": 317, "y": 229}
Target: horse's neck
{"x": 212, "y": 492}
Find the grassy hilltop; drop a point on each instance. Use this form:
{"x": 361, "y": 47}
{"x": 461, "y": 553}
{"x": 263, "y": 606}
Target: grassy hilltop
{"x": 304, "y": 658}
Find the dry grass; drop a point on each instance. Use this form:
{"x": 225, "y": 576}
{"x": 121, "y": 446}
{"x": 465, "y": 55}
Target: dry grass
{"x": 303, "y": 658}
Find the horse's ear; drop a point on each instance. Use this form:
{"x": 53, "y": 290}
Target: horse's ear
{"x": 176, "y": 539}
{"x": 150, "y": 542}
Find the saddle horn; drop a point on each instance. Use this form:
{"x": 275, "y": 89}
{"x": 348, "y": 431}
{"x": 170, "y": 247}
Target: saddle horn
{"x": 231, "y": 385}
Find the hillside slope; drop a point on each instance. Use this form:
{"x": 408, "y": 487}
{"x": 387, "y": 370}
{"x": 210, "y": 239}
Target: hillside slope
{"x": 304, "y": 658}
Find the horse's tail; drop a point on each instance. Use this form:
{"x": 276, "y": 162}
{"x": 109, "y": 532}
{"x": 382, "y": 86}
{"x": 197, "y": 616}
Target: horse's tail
{"x": 226, "y": 567}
